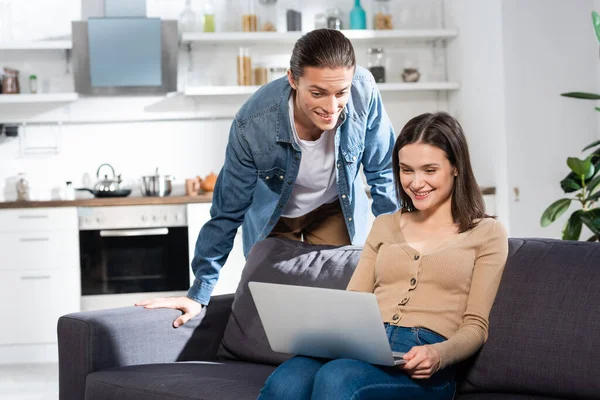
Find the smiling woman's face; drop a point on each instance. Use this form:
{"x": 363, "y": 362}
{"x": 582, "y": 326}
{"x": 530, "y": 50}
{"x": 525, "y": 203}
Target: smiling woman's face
{"x": 426, "y": 175}
{"x": 321, "y": 94}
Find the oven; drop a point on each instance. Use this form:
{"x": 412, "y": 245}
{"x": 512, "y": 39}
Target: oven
{"x": 129, "y": 253}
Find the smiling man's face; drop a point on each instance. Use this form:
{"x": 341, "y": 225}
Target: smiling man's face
{"x": 321, "y": 94}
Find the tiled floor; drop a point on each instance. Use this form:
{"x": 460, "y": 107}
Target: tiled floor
{"x": 29, "y": 382}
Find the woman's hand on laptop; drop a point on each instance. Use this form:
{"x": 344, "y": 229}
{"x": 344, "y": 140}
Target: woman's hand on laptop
{"x": 421, "y": 362}
{"x": 189, "y": 307}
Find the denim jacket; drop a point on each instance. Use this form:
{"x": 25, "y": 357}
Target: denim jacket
{"x": 262, "y": 162}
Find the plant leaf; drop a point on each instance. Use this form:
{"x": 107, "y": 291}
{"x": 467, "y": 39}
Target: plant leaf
{"x": 593, "y": 184}
{"x": 596, "y": 22}
{"x": 591, "y": 219}
{"x": 583, "y": 168}
{"x": 582, "y": 95}
{"x": 572, "y": 229}
{"x": 554, "y": 211}
{"x": 596, "y": 143}
{"x": 594, "y": 197}
{"x": 593, "y": 238}
{"x": 568, "y": 183}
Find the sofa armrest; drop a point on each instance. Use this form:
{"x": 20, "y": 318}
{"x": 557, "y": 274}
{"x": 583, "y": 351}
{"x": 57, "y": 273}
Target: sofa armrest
{"x": 97, "y": 340}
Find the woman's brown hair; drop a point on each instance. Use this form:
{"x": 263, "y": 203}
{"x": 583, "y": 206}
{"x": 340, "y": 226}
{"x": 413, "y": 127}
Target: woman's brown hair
{"x": 443, "y": 131}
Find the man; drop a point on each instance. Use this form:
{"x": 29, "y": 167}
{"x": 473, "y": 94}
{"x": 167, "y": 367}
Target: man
{"x": 292, "y": 163}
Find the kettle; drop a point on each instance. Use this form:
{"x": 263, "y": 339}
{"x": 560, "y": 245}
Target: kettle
{"x": 106, "y": 184}
{"x": 108, "y": 187}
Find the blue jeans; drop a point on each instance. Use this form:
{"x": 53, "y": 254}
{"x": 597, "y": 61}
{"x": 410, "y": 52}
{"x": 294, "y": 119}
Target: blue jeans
{"x": 344, "y": 379}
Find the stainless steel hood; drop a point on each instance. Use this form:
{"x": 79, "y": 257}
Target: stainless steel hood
{"x": 124, "y": 54}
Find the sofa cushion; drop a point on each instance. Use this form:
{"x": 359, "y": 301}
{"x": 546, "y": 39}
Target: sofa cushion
{"x": 544, "y": 333}
{"x": 280, "y": 261}
{"x": 182, "y": 380}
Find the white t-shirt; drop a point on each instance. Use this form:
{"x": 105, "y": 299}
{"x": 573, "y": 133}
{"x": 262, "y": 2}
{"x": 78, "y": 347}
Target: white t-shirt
{"x": 316, "y": 184}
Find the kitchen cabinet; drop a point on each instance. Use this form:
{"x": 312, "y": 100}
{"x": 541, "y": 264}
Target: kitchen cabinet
{"x": 39, "y": 278}
{"x": 198, "y": 215}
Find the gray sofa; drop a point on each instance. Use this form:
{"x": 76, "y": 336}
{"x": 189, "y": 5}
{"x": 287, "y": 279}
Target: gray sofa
{"x": 544, "y": 338}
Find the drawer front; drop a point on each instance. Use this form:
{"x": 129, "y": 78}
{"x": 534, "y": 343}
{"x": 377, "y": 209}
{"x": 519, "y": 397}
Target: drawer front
{"x": 32, "y": 302}
{"x": 39, "y": 250}
{"x": 39, "y": 219}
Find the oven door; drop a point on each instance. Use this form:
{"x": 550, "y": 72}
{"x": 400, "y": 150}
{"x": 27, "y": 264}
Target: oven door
{"x": 134, "y": 260}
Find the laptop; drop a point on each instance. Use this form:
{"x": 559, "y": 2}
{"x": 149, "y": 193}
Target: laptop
{"x": 325, "y": 323}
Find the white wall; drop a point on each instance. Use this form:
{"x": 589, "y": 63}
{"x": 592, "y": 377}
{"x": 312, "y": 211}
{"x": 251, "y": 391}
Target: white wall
{"x": 550, "y": 48}
{"x": 476, "y": 60}
{"x": 514, "y": 58}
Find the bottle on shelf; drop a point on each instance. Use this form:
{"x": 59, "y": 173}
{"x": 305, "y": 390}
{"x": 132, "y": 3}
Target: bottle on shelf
{"x": 358, "y": 16}
{"x": 208, "y": 16}
{"x": 33, "y": 84}
{"x": 187, "y": 18}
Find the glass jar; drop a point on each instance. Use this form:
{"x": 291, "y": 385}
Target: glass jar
{"x": 231, "y": 22}
{"x": 320, "y": 21}
{"x": 244, "y": 67}
{"x": 376, "y": 63}
{"x": 382, "y": 16}
{"x": 249, "y": 17}
{"x": 187, "y": 18}
{"x": 208, "y": 16}
{"x": 410, "y": 66}
{"x": 22, "y": 188}
{"x": 261, "y": 75}
{"x": 10, "y": 81}
{"x": 293, "y": 18}
{"x": 277, "y": 72}
{"x": 334, "y": 19}
{"x": 268, "y": 16}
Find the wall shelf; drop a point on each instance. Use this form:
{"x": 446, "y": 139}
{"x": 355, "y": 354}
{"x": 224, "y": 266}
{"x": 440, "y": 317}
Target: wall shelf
{"x": 18, "y": 108}
{"x": 37, "y": 45}
{"x": 291, "y": 37}
{"x": 38, "y": 98}
{"x": 383, "y": 87}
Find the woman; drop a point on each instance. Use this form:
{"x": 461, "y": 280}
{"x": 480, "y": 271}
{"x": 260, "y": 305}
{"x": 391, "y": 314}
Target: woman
{"x": 435, "y": 267}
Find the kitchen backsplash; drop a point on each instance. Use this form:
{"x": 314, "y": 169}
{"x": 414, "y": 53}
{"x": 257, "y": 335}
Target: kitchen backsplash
{"x": 181, "y": 148}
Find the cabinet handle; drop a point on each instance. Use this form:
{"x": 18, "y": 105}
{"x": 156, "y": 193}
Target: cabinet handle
{"x": 33, "y": 217}
{"x": 35, "y": 277}
{"x": 41, "y": 239}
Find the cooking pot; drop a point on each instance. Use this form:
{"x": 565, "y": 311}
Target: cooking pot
{"x": 157, "y": 184}
{"x": 108, "y": 187}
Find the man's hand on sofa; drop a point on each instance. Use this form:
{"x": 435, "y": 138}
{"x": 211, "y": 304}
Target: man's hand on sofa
{"x": 189, "y": 307}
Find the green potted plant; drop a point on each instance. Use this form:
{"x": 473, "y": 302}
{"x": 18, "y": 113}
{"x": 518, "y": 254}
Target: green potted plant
{"x": 583, "y": 181}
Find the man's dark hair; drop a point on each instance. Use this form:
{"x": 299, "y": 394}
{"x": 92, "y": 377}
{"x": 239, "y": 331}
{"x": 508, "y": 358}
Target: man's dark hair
{"x": 322, "y": 48}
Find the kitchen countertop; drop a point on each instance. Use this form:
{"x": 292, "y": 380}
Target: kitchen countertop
{"x": 134, "y": 201}
{"x": 110, "y": 201}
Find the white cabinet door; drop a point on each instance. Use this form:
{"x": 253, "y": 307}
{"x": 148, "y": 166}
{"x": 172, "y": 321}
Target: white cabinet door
{"x": 32, "y": 302}
{"x": 39, "y": 219}
{"x": 39, "y": 250}
{"x": 198, "y": 214}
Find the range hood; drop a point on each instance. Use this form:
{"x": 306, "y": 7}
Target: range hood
{"x": 118, "y": 51}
